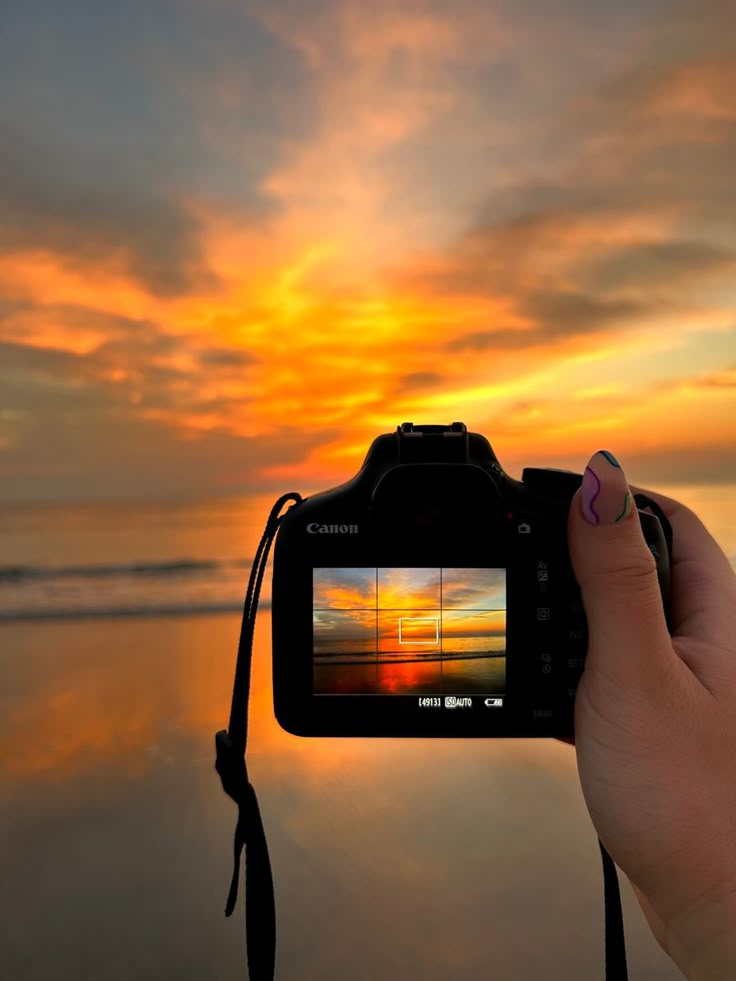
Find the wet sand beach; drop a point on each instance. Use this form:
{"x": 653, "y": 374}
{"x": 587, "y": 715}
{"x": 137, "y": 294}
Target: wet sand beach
{"x": 417, "y": 860}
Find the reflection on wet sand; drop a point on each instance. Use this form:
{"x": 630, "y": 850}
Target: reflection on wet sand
{"x": 429, "y": 858}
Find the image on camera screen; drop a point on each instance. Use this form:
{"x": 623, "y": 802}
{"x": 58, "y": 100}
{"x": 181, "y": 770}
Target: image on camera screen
{"x": 409, "y": 631}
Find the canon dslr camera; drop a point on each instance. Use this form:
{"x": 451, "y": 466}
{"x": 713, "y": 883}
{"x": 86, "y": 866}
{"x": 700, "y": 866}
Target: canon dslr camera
{"x": 433, "y": 595}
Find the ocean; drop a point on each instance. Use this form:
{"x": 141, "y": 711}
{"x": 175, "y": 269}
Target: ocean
{"x": 410, "y": 859}
{"x": 70, "y": 561}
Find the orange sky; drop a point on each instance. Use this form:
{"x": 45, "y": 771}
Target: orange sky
{"x": 328, "y": 219}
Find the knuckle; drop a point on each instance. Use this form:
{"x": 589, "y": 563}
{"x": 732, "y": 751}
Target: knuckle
{"x": 632, "y": 573}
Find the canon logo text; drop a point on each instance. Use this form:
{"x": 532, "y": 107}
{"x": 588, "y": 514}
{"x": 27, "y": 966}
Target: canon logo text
{"x": 317, "y": 529}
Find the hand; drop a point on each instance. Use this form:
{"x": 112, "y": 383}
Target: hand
{"x": 655, "y": 716}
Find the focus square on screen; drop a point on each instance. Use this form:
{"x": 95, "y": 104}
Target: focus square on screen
{"x": 409, "y": 631}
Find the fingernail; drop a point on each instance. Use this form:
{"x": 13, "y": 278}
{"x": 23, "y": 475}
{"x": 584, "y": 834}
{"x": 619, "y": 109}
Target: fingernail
{"x": 605, "y": 498}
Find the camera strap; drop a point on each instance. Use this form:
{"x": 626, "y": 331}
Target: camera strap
{"x": 230, "y": 745}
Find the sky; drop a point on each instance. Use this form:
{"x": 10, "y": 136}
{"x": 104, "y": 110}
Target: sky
{"x": 239, "y": 240}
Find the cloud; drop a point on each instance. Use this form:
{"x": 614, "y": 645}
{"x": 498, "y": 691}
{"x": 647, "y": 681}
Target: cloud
{"x": 680, "y": 79}
{"x": 418, "y": 381}
{"x": 66, "y": 435}
{"x": 715, "y": 380}
{"x": 720, "y": 379}
{"x": 88, "y": 221}
{"x": 572, "y": 312}
{"x": 658, "y": 264}
{"x": 131, "y": 362}
{"x": 36, "y": 376}
{"x": 625, "y": 217}
{"x": 225, "y": 357}
{"x": 553, "y": 318}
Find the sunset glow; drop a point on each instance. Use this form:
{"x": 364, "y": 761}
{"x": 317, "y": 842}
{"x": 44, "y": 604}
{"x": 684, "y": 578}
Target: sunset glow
{"x": 366, "y": 214}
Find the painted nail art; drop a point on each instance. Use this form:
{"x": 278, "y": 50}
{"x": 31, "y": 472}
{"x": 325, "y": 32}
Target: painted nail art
{"x": 606, "y": 498}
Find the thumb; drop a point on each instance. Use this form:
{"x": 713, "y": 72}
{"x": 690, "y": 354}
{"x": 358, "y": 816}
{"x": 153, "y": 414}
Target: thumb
{"x": 628, "y": 641}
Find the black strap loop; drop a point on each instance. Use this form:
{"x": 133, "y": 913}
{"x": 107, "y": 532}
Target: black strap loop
{"x": 616, "y": 969}
{"x": 230, "y": 763}
{"x": 238, "y": 725}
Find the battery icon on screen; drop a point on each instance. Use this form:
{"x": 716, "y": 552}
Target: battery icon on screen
{"x": 493, "y": 702}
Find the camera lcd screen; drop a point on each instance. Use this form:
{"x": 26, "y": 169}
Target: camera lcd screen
{"x": 409, "y": 631}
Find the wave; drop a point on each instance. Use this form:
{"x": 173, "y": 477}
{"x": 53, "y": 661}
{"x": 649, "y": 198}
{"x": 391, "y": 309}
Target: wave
{"x": 127, "y": 611}
{"x": 176, "y": 567}
{"x": 171, "y": 587}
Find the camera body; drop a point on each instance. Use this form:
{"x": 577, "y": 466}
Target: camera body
{"x": 432, "y": 595}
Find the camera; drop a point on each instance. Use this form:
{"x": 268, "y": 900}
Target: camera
{"x": 433, "y": 595}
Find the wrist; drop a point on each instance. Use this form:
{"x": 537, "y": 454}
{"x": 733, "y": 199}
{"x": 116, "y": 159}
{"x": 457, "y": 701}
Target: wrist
{"x": 702, "y": 941}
